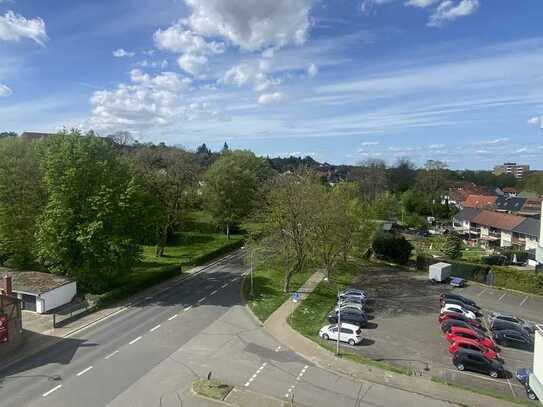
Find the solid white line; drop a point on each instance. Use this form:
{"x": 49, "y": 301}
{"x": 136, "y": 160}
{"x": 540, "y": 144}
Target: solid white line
{"x": 111, "y": 355}
{"x": 524, "y": 300}
{"x": 155, "y": 328}
{"x": 172, "y": 317}
{"x": 481, "y": 293}
{"x": 202, "y": 300}
{"x": 213, "y": 292}
{"x": 188, "y": 308}
{"x": 52, "y": 390}
{"x": 501, "y": 298}
{"x": 224, "y": 285}
{"x": 84, "y": 371}
{"x": 511, "y": 387}
{"x": 133, "y": 341}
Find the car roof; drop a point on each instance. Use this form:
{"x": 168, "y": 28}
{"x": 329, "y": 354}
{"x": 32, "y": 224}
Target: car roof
{"x": 513, "y": 331}
{"x": 463, "y": 329}
{"x": 468, "y": 341}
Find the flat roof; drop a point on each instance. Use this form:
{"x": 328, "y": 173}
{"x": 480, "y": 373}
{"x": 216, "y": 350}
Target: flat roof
{"x": 34, "y": 282}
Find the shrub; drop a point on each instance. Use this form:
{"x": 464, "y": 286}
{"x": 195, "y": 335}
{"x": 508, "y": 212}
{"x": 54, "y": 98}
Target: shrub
{"x": 469, "y": 271}
{"x": 452, "y": 245}
{"x": 521, "y": 280}
{"x": 495, "y": 260}
{"x": 393, "y": 248}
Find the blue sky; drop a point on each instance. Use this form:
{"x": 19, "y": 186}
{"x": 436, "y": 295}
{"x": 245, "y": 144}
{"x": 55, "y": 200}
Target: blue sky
{"x": 341, "y": 80}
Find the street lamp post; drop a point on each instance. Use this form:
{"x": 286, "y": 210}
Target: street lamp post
{"x": 252, "y": 283}
{"x": 338, "y": 323}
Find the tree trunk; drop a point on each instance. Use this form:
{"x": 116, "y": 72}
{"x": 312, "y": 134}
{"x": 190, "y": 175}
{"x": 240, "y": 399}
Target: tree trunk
{"x": 228, "y": 231}
{"x": 286, "y": 282}
{"x": 163, "y": 239}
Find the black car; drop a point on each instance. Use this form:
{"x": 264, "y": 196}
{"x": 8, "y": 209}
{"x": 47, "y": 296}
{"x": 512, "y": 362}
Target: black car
{"x": 449, "y": 323}
{"x": 458, "y": 297}
{"x": 467, "y": 359}
{"x": 501, "y": 325}
{"x": 356, "y": 318}
{"x": 514, "y": 339}
{"x": 462, "y": 304}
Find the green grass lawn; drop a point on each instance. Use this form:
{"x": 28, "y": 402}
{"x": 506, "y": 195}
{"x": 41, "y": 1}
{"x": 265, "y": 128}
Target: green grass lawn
{"x": 268, "y": 288}
{"x": 311, "y": 315}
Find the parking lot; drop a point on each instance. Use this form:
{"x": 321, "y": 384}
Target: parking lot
{"x": 404, "y": 329}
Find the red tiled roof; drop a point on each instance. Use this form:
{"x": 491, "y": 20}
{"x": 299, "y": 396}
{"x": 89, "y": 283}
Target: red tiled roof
{"x": 498, "y": 220}
{"x": 479, "y": 201}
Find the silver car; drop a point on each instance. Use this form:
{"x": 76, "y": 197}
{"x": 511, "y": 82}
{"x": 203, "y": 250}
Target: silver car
{"x": 529, "y": 326}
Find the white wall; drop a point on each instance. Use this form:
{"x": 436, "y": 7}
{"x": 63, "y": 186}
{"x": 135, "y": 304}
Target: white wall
{"x": 538, "y": 362}
{"x": 539, "y": 252}
{"x": 506, "y": 238}
{"x": 531, "y": 243}
{"x": 59, "y": 296}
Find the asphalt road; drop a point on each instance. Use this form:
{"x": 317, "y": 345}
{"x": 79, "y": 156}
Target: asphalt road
{"x": 149, "y": 354}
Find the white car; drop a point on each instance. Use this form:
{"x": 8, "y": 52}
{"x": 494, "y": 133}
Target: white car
{"x": 458, "y": 309}
{"x": 350, "y": 333}
{"x": 350, "y": 305}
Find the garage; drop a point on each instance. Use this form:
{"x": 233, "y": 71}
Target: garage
{"x": 41, "y": 292}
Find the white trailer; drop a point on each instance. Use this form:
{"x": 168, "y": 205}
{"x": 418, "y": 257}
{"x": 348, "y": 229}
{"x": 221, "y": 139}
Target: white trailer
{"x": 440, "y": 272}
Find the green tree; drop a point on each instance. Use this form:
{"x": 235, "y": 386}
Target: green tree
{"x": 90, "y": 226}
{"x": 22, "y": 198}
{"x": 232, "y": 187}
{"x": 451, "y": 245}
{"x": 533, "y": 183}
{"x": 393, "y": 248}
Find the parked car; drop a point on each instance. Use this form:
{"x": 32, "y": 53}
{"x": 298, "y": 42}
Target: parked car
{"x": 353, "y": 291}
{"x": 353, "y": 296}
{"x": 458, "y": 310}
{"x": 472, "y": 334}
{"x": 457, "y": 282}
{"x": 449, "y": 323}
{"x": 514, "y": 339}
{"x": 349, "y": 306}
{"x": 457, "y": 297}
{"x": 529, "y": 326}
{"x": 523, "y": 376}
{"x": 454, "y": 315}
{"x": 467, "y": 307}
{"x": 501, "y": 325}
{"x": 467, "y": 359}
{"x": 351, "y": 317}
{"x": 465, "y": 343}
{"x": 357, "y": 300}
{"x": 350, "y": 333}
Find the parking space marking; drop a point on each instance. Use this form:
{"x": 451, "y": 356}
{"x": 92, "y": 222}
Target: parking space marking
{"x": 52, "y": 390}
{"x": 262, "y": 366}
{"x": 481, "y": 377}
{"x": 172, "y": 317}
{"x": 482, "y": 292}
{"x": 213, "y": 292}
{"x": 224, "y": 285}
{"x": 511, "y": 387}
{"x": 502, "y": 297}
{"x": 111, "y": 355}
{"x": 133, "y": 341}
{"x": 300, "y": 375}
{"x": 290, "y": 391}
{"x": 81, "y": 373}
{"x": 202, "y": 300}
{"x": 155, "y": 328}
{"x": 524, "y": 300}
{"x": 187, "y": 309}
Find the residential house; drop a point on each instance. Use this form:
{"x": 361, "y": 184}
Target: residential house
{"x": 511, "y": 205}
{"x": 462, "y": 220}
{"x": 458, "y": 193}
{"x": 480, "y": 201}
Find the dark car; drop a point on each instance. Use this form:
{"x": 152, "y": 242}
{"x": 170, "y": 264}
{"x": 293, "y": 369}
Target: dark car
{"x": 462, "y": 304}
{"x": 514, "y": 339}
{"x": 455, "y": 315}
{"x": 457, "y": 297}
{"x": 501, "y": 325}
{"x": 449, "y": 323}
{"x": 467, "y": 359}
{"x": 523, "y": 376}
{"x": 356, "y": 318}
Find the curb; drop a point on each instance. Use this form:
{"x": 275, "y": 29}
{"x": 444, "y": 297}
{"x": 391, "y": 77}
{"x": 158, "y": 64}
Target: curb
{"x": 209, "y": 398}
{"x": 245, "y": 303}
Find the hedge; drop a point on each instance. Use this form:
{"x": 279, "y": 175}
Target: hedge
{"x": 521, "y": 280}
{"x": 468, "y": 271}
{"x": 204, "y": 258}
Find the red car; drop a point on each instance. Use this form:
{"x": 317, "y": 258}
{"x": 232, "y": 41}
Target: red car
{"x": 454, "y": 315}
{"x": 465, "y": 343}
{"x": 457, "y": 331}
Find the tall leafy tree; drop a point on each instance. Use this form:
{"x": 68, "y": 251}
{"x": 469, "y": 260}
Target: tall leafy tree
{"x": 232, "y": 186}
{"x": 22, "y": 198}
{"x": 91, "y": 223}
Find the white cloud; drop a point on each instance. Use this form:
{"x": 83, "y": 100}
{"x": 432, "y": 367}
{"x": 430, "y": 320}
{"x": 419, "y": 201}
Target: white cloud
{"x": 196, "y": 65}
{"x": 450, "y": 10}
{"x": 271, "y": 98}
{"x": 246, "y": 74}
{"x": 368, "y": 5}
{"x": 312, "y": 70}
{"x": 121, "y": 53}
{"x": 252, "y": 24}
{"x": 178, "y": 38}
{"x": 370, "y": 143}
{"x": 14, "y": 27}
{"x": 536, "y": 121}
{"x": 420, "y": 3}
{"x": 4, "y": 90}
{"x": 169, "y": 81}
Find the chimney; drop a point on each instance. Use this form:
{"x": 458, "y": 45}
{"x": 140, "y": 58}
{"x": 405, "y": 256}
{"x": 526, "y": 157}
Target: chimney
{"x": 7, "y": 285}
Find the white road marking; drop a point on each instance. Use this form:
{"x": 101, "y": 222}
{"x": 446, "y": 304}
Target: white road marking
{"x": 213, "y": 292}
{"x": 511, "y": 387}
{"x": 501, "y": 298}
{"x": 482, "y": 292}
{"x": 278, "y": 349}
{"x": 149, "y": 298}
{"x": 480, "y": 376}
{"x": 52, "y": 390}
{"x": 524, "y": 300}
{"x": 111, "y": 355}
{"x": 301, "y": 373}
{"x": 202, "y": 300}
{"x": 256, "y": 374}
{"x": 81, "y": 373}
{"x": 290, "y": 391}
{"x": 172, "y": 317}
{"x": 224, "y": 285}
{"x": 133, "y": 341}
{"x": 155, "y": 328}
{"x": 187, "y": 309}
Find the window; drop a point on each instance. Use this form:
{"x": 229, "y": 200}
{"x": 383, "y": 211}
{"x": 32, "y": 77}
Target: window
{"x": 346, "y": 331}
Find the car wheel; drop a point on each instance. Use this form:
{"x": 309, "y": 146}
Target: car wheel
{"x": 352, "y": 342}
{"x": 325, "y": 337}
{"x": 532, "y": 396}
{"x": 493, "y": 374}
{"x": 460, "y": 367}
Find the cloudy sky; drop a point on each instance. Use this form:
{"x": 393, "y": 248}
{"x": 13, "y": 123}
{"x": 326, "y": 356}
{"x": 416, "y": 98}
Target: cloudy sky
{"x": 341, "y": 80}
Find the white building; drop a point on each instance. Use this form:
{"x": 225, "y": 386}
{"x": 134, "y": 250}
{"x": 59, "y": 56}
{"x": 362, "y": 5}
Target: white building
{"x": 536, "y": 377}
{"x": 41, "y": 292}
{"x": 539, "y": 253}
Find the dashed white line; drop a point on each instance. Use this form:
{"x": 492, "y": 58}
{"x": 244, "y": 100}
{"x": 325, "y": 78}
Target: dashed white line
{"x": 501, "y": 298}
{"x": 111, "y": 355}
{"x": 256, "y": 374}
{"x": 524, "y": 300}
{"x": 133, "y": 341}
{"x": 202, "y": 300}
{"x": 213, "y": 292}
{"x": 81, "y": 373}
{"x": 52, "y": 390}
{"x": 290, "y": 391}
{"x": 172, "y": 317}
{"x": 302, "y": 373}
{"x": 224, "y": 285}
{"x": 154, "y": 328}
{"x": 187, "y": 309}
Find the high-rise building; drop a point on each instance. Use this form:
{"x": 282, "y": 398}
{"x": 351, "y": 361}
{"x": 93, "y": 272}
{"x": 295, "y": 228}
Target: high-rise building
{"x": 514, "y": 169}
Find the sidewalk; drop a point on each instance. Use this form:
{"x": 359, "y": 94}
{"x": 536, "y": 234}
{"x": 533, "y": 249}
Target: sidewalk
{"x": 279, "y": 328}
{"x": 35, "y": 342}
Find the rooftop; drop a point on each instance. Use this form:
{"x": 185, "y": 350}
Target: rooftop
{"x": 479, "y": 201}
{"x": 529, "y": 227}
{"x": 503, "y": 221}
{"x": 34, "y": 282}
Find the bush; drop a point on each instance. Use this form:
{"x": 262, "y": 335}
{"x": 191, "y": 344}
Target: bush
{"x": 521, "y": 280}
{"x": 495, "y": 260}
{"x": 469, "y": 271}
{"x": 452, "y": 245}
{"x": 390, "y": 247}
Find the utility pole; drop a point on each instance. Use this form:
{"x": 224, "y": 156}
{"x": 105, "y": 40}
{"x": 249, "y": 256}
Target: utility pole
{"x": 338, "y": 323}
{"x": 252, "y": 284}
